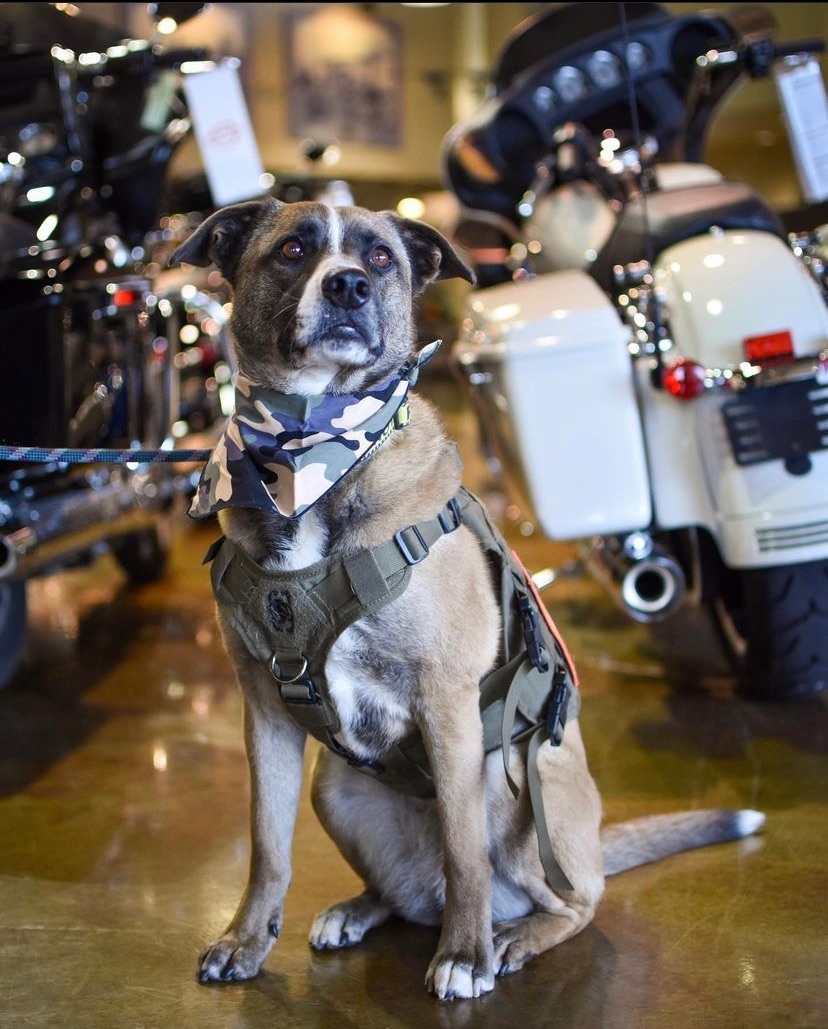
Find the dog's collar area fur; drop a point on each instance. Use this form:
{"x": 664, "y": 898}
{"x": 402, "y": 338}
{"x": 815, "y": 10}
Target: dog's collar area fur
{"x": 284, "y": 451}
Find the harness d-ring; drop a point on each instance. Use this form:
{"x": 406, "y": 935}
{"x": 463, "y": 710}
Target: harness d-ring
{"x": 286, "y": 682}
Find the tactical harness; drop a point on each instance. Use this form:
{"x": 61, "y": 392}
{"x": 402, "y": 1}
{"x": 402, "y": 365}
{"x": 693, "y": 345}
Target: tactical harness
{"x": 289, "y": 620}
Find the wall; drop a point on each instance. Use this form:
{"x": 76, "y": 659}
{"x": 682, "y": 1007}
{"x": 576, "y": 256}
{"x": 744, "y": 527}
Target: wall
{"x": 748, "y": 140}
{"x": 431, "y": 41}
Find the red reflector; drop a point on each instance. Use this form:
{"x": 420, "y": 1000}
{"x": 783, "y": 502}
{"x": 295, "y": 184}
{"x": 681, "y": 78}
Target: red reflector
{"x": 125, "y": 297}
{"x": 684, "y": 379}
{"x": 770, "y": 346}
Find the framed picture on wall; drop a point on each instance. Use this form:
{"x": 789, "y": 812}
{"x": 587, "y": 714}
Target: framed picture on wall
{"x": 345, "y": 76}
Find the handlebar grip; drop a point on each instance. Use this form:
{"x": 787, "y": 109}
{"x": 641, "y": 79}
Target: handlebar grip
{"x": 760, "y": 55}
{"x": 806, "y": 46}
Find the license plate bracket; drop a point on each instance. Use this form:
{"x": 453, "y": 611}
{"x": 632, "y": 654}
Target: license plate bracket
{"x": 783, "y": 422}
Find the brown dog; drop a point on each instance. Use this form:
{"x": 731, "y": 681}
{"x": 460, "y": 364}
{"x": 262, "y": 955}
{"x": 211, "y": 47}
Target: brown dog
{"x": 359, "y": 604}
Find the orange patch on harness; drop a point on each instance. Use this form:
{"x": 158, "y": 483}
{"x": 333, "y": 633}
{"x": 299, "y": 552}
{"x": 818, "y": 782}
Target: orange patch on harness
{"x": 570, "y": 664}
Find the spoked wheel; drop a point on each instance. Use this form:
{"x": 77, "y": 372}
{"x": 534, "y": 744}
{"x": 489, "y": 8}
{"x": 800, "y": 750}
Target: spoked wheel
{"x": 12, "y": 627}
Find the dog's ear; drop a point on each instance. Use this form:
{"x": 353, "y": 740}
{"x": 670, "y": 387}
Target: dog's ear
{"x": 221, "y": 238}
{"x": 432, "y": 256}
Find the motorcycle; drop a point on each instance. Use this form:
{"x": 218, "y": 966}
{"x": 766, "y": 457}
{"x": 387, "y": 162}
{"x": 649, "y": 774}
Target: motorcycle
{"x": 99, "y": 347}
{"x": 647, "y": 348}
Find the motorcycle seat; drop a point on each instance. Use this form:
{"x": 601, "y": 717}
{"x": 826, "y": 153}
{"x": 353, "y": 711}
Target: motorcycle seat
{"x": 649, "y": 224}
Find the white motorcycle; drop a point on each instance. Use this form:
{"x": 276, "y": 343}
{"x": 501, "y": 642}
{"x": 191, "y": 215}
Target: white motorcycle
{"x": 651, "y": 373}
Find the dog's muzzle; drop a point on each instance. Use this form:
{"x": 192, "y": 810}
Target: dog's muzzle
{"x": 346, "y": 288}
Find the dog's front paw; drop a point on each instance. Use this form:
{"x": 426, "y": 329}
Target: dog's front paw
{"x": 458, "y": 977}
{"x": 345, "y": 924}
{"x": 513, "y": 947}
{"x": 233, "y": 958}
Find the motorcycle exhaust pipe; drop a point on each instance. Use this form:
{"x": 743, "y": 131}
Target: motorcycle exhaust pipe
{"x": 653, "y": 588}
{"x": 62, "y": 526}
{"x": 643, "y": 579}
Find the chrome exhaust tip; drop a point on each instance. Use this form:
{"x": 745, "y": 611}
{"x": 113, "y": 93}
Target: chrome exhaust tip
{"x": 653, "y": 588}
{"x": 644, "y": 580}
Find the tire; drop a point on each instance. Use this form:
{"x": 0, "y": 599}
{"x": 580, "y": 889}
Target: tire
{"x": 767, "y": 628}
{"x": 144, "y": 555}
{"x": 12, "y": 627}
{"x": 785, "y": 612}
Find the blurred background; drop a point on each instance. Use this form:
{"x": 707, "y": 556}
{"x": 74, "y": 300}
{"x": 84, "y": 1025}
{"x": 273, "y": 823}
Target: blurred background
{"x": 431, "y": 73}
{"x": 123, "y": 781}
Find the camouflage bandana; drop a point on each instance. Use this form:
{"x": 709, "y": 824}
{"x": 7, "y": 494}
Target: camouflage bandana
{"x": 284, "y": 451}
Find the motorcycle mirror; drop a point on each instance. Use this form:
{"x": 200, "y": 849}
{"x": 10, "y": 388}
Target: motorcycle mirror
{"x": 175, "y": 13}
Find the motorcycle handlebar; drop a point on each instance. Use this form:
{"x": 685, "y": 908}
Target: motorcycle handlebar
{"x": 142, "y": 58}
{"x": 758, "y": 56}
{"x": 491, "y": 160}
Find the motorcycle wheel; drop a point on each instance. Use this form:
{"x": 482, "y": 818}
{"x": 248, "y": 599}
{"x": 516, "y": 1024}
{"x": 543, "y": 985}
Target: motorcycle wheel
{"x": 12, "y": 627}
{"x": 782, "y": 618}
{"x": 144, "y": 555}
{"x": 765, "y": 627}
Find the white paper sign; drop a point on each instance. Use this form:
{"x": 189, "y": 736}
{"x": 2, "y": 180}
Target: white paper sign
{"x": 802, "y": 93}
{"x": 224, "y": 134}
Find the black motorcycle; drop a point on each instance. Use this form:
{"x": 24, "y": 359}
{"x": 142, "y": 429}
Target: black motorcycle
{"x": 97, "y": 365}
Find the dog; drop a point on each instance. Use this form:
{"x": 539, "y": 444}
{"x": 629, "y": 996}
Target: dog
{"x": 345, "y": 533}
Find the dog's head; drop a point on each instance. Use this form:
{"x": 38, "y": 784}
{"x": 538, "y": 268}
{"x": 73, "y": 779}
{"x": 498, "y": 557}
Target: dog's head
{"x": 323, "y": 299}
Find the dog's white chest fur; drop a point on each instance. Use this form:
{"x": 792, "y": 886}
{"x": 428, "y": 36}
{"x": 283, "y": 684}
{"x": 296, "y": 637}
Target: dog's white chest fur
{"x": 355, "y": 671}
{"x": 307, "y": 546}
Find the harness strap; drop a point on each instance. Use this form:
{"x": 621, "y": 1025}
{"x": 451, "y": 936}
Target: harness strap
{"x": 516, "y": 701}
{"x": 323, "y": 600}
{"x": 555, "y": 875}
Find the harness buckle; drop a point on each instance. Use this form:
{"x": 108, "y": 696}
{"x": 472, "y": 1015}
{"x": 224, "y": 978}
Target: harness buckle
{"x": 454, "y": 508}
{"x": 406, "y": 546}
{"x": 531, "y": 632}
{"x": 302, "y": 691}
{"x": 556, "y": 707}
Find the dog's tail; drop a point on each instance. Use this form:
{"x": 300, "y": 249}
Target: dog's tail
{"x": 642, "y": 840}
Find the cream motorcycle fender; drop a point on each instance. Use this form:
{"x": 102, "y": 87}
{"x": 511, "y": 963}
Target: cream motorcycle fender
{"x": 746, "y": 457}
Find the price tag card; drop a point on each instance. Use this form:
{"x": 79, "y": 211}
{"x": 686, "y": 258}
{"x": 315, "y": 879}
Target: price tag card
{"x": 224, "y": 134}
{"x": 802, "y": 94}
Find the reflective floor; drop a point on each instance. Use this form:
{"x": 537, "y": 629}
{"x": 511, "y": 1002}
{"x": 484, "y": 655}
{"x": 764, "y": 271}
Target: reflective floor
{"x": 123, "y": 834}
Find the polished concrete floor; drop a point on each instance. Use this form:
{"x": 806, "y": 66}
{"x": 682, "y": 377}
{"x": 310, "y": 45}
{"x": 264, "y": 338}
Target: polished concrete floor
{"x": 123, "y": 835}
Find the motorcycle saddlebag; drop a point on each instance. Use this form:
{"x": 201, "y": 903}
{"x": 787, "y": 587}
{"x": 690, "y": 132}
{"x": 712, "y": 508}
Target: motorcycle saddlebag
{"x": 551, "y": 378}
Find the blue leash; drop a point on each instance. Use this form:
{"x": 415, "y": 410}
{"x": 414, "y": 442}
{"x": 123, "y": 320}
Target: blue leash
{"x": 65, "y": 455}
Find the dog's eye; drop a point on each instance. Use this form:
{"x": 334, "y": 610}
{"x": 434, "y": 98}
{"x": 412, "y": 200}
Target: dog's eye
{"x": 293, "y": 250}
{"x": 381, "y": 258}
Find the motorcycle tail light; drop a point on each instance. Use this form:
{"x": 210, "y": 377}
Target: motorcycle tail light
{"x": 684, "y": 379}
{"x": 125, "y": 297}
{"x": 768, "y": 348}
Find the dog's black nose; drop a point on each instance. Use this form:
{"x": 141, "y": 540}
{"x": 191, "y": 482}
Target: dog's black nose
{"x": 347, "y": 288}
